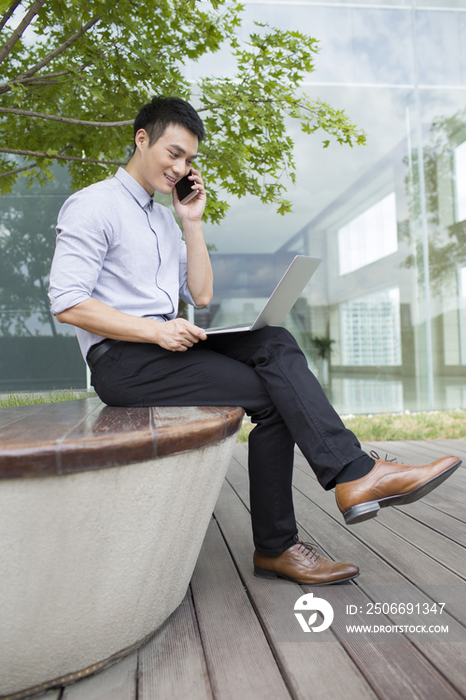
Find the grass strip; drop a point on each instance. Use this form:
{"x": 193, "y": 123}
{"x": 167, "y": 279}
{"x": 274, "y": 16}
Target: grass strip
{"x": 431, "y": 425}
{"x": 12, "y": 400}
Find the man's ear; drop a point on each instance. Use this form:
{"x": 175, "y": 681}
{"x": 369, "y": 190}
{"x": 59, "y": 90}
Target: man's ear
{"x": 141, "y": 138}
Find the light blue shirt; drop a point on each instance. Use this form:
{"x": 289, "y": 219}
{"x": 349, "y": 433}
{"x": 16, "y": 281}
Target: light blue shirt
{"x": 115, "y": 244}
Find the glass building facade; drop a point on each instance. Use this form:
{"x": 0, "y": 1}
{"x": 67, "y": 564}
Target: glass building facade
{"x": 388, "y": 219}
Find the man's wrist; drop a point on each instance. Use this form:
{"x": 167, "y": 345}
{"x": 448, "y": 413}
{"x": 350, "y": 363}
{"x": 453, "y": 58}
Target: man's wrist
{"x": 153, "y": 330}
{"x": 193, "y": 227}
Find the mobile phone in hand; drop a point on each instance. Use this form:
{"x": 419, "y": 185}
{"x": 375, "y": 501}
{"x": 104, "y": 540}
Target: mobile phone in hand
{"x": 184, "y": 189}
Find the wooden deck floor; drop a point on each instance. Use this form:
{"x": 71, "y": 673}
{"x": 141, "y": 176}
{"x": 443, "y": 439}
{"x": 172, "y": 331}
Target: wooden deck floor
{"x": 225, "y": 642}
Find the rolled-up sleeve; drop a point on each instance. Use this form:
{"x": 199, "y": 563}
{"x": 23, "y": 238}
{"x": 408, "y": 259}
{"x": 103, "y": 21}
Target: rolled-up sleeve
{"x": 118, "y": 246}
{"x": 84, "y": 234}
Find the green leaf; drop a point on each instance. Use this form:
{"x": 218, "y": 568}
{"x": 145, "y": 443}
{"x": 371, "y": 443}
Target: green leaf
{"x": 127, "y": 56}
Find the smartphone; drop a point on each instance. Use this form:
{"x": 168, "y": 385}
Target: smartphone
{"x": 184, "y": 189}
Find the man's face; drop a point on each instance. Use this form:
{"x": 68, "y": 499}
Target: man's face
{"x": 168, "y": 160}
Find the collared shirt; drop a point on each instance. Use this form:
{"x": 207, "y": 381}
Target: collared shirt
{"x": 115, "y": 244}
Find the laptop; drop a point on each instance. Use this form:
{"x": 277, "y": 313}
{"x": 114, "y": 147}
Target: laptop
{"x": 282, "y": 298}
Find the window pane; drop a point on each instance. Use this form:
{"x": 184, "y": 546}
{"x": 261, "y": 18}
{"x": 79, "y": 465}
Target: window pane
{"x": 460, "y": 181}
{"x": 370, "y": 330}
{"x": 368, "y": 237}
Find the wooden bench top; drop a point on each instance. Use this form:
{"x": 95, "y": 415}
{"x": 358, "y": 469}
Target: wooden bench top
{"x": 82, "y": 435}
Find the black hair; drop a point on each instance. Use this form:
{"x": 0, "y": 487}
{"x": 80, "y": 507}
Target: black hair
{"x": 155, "y": 116}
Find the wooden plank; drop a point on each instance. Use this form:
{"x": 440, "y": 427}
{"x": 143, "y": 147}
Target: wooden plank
{"x": 377, "y": 568}
{"x": 118, "y": 682}
{"x": 446, "y": 659}
{"x": 446, "y": 504}
{"x": 111, "y": 436}
{"x": 49, "y": 695}
{"x": 459, "y": 478}
{"x": 301, "y": 462}
{"x": 84, "y": 434}
{"x": 407, "y": 452}
{"x": 432, "y": 448}
{"x": 239, "y": 659}
{"x": 181, "y": 428}
{"x": 433, "y": 544}
{"x": 452, "y": 491}
{"x": 320, "y": 670}
{"x": 383, "y": 661}
{"x": 402, "y": 451}
{"x": 453, "y": 447}
{"x": 15, "y": 413}
{"x": 172, "y": 664}
{"x": 440, "y": 522}
{"x": 30, "y": 447}
{"x": 395, "y": 668}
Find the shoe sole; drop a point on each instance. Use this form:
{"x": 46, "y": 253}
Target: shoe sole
{"x": 271, "y": 575}
{"x": 365, "y": 511}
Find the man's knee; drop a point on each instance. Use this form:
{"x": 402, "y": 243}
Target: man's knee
{"x": 276, "y": 334}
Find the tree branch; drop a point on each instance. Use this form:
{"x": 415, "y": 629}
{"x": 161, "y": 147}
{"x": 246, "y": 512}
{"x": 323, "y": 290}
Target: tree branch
{"x": 33, "y": 78}
{"x": 47, "y": 79}
{"x": 27, "y": 19}
{"x": 60, "y": 49}
{"x": 38, "y": 154}
{"x": 18, "y": 170}
{"x": 9, "y": 13}
{"x": 65, "y": 120}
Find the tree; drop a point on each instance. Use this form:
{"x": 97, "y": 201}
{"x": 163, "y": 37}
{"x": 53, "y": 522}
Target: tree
{"x": 447, "y": 237}
{"x": 75, "y": 72}
{"x": 27, "y": 242}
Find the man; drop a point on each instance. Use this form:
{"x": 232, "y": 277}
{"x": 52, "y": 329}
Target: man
{"x": 119, "y": 269}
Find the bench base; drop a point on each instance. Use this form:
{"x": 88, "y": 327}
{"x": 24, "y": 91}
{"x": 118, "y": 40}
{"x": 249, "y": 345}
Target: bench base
{"x": 97, "y": 561}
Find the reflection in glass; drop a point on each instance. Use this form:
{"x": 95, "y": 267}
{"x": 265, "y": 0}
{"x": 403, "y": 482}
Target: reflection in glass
{"x": 36, "y": 352}
{"x": 359, "y": 395}
{"x": 370, "y": 330}
{"x": 359, "y": 209}
{"x": 460, "y": 181}
{"x": 369, "y": 237}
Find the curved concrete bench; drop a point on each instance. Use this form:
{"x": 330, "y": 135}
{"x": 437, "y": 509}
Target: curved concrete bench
{"x": 102, "y": 516}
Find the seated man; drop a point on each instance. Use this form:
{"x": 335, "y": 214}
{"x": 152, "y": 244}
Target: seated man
{"x": 119, "y": 270}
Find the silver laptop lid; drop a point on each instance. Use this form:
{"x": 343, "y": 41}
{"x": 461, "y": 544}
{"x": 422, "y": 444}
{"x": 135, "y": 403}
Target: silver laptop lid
{"x": 282, "y": 299}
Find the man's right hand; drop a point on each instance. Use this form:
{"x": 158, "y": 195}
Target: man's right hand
{"x": 100, "y": 319}
{"x": 178, "y": 334}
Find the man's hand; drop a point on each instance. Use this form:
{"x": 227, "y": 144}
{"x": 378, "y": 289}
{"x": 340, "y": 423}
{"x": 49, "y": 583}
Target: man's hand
{"x": 178, "y": 335}
{"x": 193, "y": 210}
{"x": 200, "y": 277}
{"x": 96, "y": 317}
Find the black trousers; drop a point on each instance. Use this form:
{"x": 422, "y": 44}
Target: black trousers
{"x": 267, "y": 374}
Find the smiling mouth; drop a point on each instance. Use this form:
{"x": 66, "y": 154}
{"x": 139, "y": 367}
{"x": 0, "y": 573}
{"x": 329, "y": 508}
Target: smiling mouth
{"x": 172, "y": 180}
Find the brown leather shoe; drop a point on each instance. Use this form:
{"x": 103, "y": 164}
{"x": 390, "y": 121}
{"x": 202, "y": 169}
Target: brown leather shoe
{"x": 301, "y": 564}
{"x": 390, "y": 484}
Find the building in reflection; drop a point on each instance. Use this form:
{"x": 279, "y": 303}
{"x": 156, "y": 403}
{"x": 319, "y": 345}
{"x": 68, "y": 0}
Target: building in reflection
{"x": 388, "y": 219}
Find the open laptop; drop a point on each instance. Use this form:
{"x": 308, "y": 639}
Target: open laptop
{"x": 282, "y": 298}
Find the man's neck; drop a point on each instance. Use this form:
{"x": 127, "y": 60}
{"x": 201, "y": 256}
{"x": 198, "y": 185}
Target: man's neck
{"x": 133, "y": 170}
